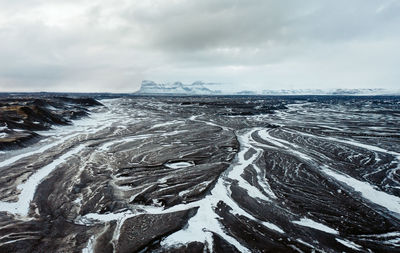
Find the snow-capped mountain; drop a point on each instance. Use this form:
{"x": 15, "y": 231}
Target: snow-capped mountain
{"x": 196, "y": 88}
{"x": 200, "y": 88}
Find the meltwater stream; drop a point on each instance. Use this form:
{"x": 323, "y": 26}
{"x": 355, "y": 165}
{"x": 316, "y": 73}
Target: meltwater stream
{"x": 209, "y": 175}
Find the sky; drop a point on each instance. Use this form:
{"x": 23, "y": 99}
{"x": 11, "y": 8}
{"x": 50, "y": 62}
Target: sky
{"x": 112, "y": 45}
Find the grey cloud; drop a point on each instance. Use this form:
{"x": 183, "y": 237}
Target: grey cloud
{"x": 112, "y": 45}
{"x": 208, "y": 25}
{"x": 258, "y": 32}
{"x": 256, "y": 23}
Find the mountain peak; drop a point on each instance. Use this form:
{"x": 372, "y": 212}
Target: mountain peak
{"x": 196, "y": 88}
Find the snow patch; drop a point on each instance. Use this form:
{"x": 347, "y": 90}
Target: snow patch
{"x": 89, "y": 246}
{"x": 305, "y": 222}
{"x": 367, "y": 191}
{"x": 178, "y": 165}
{"x": 28, "y": 188}
{"x": 349, "y": 244}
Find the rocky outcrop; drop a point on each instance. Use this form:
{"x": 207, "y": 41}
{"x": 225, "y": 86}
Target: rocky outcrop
{"x": 20, "y": 117}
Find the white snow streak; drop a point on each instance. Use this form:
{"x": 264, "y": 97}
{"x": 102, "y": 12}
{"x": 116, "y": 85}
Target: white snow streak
{"x": 367, "y": 191}
{"x": 305, "y": 222}
{"x": 28, "y": 188}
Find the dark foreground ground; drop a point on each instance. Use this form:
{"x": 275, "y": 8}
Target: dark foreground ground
{"x": 195, "y": 174}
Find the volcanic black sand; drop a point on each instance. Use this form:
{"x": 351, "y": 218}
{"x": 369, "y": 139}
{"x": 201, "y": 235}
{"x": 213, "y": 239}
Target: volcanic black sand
{"x": 200, "y": 174}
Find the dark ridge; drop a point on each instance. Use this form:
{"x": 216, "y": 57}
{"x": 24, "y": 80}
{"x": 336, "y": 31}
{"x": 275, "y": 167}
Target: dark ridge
{"x": 81, "y": 101}
{"x": 21, "y": 115}
{"x": 19, "y": 140}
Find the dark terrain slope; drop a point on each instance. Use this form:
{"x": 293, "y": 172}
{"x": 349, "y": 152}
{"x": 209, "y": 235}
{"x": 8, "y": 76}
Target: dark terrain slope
{"x": 20, "y": 117}
{"x": 210, "y": 174}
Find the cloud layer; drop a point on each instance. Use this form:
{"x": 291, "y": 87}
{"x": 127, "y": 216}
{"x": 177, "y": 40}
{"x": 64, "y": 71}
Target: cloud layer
{"x": 113, "y": 45}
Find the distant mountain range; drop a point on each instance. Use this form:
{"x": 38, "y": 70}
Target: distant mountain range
{"x": 200, "y": 88}
{"x": 196, "y": 88}
{"x": 328, "y": 92}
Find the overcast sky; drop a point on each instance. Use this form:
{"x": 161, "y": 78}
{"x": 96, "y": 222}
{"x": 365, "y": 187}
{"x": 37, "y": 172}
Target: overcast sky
{"x": 112, "y": 45}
